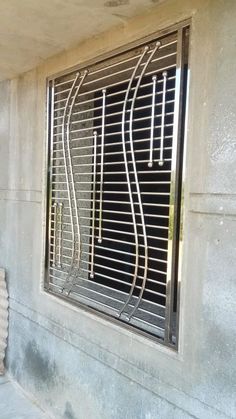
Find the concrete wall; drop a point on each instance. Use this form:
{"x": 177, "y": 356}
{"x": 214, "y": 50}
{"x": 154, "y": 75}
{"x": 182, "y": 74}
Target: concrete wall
{"x": 78, "y": 365}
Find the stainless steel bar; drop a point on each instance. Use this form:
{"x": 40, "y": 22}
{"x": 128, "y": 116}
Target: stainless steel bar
{"x": 55, "y": 206}
{"x": 85, "y": 182}
{"x": 112, "y": 163}
{"x": 161, "y": 162}
{"x": 151, "y": 325}
{"x": 120, "y": 271}
{"x": 119, "y": 173}
{"x": 87, "y": 147}
{"x": 98, "y": 108}
{"x": 124, "y": 81}
{"x": 143, "y": 118}
{"x": 111, "y": 105}
{"x": 178, "y": 134}
{"x": 48, "y": 172}
{"x": 108, "y": 296}
{"x": 150, "y": 163}
{"x": 122, "y": 262}
{"x": 70, "y": 173}
{"x": 117, "y": 192}
{"x": 128, "y": 213}
{"x": 116, "y": 289}
{"x": 102, "y": 166}
{"x": 124, "y": 283}
{"x": 66, "y": 149}
{"x": 96, "y": 127}
{"x": 60, "y": 223}
{"x": 135, "y": 273}
{"x": 125, "y": 242}
{"x": 115, "y": 153}
{"x": 157, "y": 46}
{"x": 108, "y": 201}
{"x": 119, "y": 72}
{"x": 119, "y": 232}
{"x": 120, "y": 281}
{"x": 163, "y": 46}
{"x": 94, "y": 203}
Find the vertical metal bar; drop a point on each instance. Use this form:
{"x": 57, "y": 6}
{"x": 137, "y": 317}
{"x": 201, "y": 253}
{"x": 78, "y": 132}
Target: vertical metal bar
{"x": 49, "y": 154}
{"x": 94, "y": 202}
{"x": 70, "y": 164}
{"x": 154, "y": 82}
{"x": 54, "y": 257}
{"x": 66, "y": 151}
{"x": 102, "y": 166}
{"x": 158, "y": 44}
{"x": 60, "y": 224}
{"x": 174, "y": 194}
{"x": 161, "y": 161}
{"x": 128, "y": 180}
{"x": 70, "y": 182}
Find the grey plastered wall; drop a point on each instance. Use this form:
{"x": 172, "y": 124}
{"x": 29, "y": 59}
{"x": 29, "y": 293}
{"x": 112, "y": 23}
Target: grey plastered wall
{"x": 75, "y": 363}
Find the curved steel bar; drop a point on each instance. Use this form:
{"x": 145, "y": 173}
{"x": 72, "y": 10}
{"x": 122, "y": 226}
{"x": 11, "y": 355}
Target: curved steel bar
{"x": 67, "y": 168}
{"x": 154, "y": 83}
{"x": 69, "y": 172}
{"x": 94, "y": 203}
{"x": 71, "y": 166}
{"x": 158, "y": 44}
{"x": 102, "y": 164}
{"x": 128, "y": 180}
{"x": 161, "y": 161}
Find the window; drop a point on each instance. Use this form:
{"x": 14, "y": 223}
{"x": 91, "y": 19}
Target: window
{"x": 115, "y": 184}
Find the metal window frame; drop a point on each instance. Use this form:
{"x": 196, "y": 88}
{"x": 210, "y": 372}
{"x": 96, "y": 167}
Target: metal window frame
{"x": 175, "y": 262}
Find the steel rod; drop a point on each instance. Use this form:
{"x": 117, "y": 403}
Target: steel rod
{"x": 102, "y": 166}
{"x": 60, "y": 223}
{"x": 161, "y": 161}
{"x": 55, "y": 206}
{"x": 150, "y": 163}
{"x": 94, "y": 203}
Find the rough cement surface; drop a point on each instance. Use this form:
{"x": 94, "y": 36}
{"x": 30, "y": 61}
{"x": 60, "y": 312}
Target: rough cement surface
{"x": 3, "y": 318}
{"x": 32, "y": 31}
{"x": 78, "y": 365}
{"x": 15, "y": 405}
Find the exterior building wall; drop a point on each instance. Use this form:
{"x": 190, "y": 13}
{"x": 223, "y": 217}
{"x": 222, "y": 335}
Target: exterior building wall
{"x": 75, "y": 363}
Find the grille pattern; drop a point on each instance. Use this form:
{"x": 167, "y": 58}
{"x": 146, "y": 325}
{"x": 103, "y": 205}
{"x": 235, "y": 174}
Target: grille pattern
{"x": 111, "y": 186}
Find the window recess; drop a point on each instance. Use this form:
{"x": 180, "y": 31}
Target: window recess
{"x": 115, "y": 184}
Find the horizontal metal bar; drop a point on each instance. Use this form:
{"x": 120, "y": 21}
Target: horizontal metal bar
{"x": 107, "y": 296}
{"x": 86, "y": 182}
{"x": 117, "y": 173}
{"x": 115, "y": 192}
{"x": 111, "y": 105}
{"x": 107, "y": 201}
{"x": 119, "y": 281}
{"x": 100, "y": 247}
{"x": 110, "y": 144}
{"x": 109, "y": 95}
{"x": 117, "y": 232}
{"x": 92, "y": 119}
{"x": 125, "y": 213}
{"x": 151, "y": 325}
{"x": 119, "y": 72}
{"x": 118, "y": 62}
{"x": 115, "y": 153}
{"x": 125, "y": 242}
{"x": 118, "y": 83}
{"x": 117, "y": 261}
{"x": 112, "y": 124}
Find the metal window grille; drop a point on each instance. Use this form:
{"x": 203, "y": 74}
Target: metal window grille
{"x": 114, "y": 184}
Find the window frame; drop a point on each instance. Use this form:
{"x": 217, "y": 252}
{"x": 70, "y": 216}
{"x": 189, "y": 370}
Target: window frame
{"x": 179, "y": 127}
